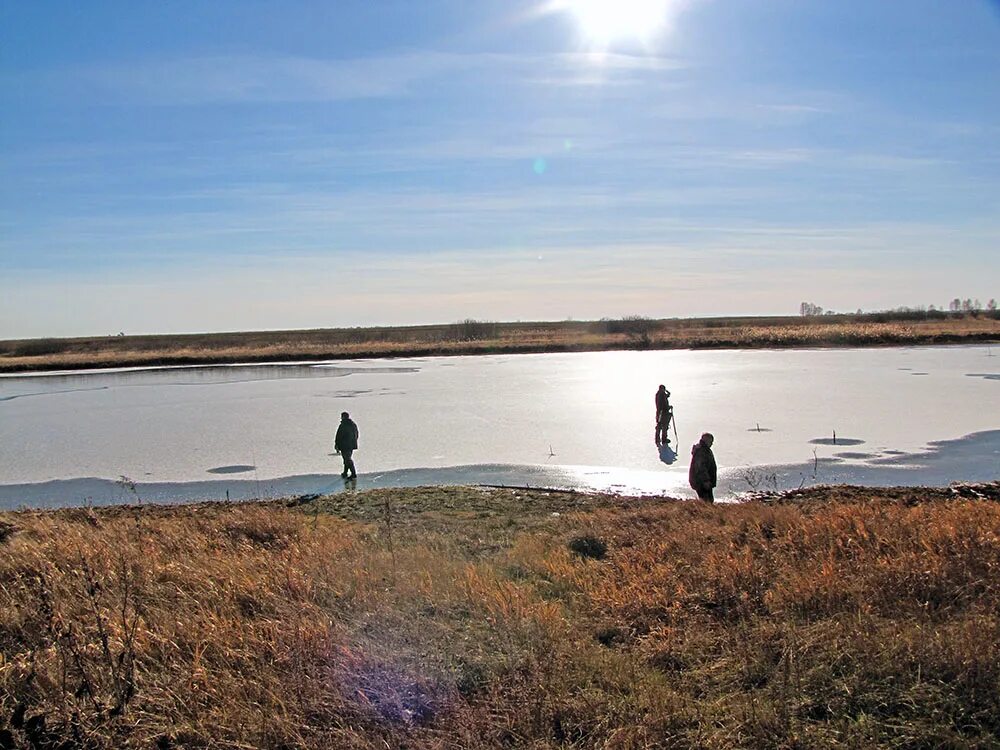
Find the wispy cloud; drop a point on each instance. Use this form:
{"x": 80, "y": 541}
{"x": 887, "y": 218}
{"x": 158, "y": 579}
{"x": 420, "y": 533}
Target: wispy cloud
{"x": 201, "y": 80}
{"x": 275, "y": 79}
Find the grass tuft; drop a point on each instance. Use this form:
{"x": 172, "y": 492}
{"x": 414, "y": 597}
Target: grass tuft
{"x": 588, "y": 546}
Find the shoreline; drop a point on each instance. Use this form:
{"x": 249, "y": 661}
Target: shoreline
{"x": 988, "y": 491}
{"x": 939, "y": 464}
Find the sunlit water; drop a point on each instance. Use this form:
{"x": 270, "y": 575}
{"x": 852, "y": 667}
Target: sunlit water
{"x": 927, "y": 415}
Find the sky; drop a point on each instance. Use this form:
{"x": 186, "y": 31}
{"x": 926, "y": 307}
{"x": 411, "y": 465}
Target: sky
{"x": 245, "y": 165}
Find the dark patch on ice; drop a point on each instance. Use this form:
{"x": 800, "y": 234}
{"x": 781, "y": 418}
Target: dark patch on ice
{"x": 349, "y": 393}
{"x": 48, "y": 393}
{"x": 984, "y": 375}
{"x": 234, "y": 469}
{"x": 760, "y": 429}
{"x": 918, "y": 373}
{"x": 894, "y": 453}
{"x": 854, "y": 454}
{"x": 836, "y": 441}
{"x": 904, "y": 369}
{"x": 199, "y": 375}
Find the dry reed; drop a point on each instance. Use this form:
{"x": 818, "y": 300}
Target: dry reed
{"x": 870, "y": 622}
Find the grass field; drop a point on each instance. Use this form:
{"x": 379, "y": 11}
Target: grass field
{"x": 487, "y": 618}
{"x": 477, "y": 337}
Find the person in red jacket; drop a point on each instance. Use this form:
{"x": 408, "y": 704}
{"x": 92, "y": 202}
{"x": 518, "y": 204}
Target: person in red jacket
{"x": 702, "y": 474}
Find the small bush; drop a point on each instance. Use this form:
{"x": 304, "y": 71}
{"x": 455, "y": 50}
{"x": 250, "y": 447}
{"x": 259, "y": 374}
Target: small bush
{"x": 630, "y": 325}
{"x": 6, "y": 531}
{"x": 636, "y": 328}
{"x": 474, "y": 330}
{"x": 588, "y": 546}
{"x": 611, "y": 636}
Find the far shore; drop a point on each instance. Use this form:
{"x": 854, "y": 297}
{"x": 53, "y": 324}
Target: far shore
{"x": 474, "y": 337}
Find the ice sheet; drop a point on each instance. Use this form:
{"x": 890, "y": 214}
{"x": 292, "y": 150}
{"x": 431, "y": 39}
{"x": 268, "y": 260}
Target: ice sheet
{"x": 547, "y": 417}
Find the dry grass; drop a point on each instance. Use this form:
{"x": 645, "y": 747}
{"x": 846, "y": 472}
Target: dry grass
{"x": 866, "y": 330}
{"x": 443, "y": 618}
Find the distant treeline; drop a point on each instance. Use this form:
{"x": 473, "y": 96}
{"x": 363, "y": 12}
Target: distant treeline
{"x": 957, "y": 306}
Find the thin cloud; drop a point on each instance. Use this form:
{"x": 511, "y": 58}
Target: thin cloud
{"x": 204, "y": 80}
{"x": 257, "y": 79}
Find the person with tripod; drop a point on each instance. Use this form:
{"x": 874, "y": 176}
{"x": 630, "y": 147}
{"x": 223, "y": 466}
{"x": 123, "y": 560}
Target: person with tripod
{"x": 664, "y": 413}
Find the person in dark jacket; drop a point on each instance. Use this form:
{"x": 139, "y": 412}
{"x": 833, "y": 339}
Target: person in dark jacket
{"x": 346, "y": 443}
{"x": 702, "y": 474}
{"x": 663, "y": 414}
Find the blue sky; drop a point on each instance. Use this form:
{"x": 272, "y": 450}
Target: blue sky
{"x": 192, "y": 166}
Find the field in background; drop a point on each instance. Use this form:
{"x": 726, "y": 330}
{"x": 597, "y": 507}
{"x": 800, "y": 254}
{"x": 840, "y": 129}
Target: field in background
{"x": 481, "y": 337}
{"x": 476, "y": 618}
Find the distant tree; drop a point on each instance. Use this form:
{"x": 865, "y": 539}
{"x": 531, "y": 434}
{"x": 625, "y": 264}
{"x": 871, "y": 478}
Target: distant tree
{"x": 808, "y": 308}
{"x": 471, "y": 329}
{"x": 955, "y": 305}
{"x": 977, "y": 305}
{"x": 966, "y": 305}
{"x": 991, "y": 305}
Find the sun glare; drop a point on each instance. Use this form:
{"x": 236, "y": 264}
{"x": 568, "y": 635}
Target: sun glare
{"x": 604, "y": 22}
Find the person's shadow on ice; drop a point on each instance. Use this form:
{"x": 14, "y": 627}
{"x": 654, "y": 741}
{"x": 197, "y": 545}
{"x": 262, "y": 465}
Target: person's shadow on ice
{"x": 667, "y": 454}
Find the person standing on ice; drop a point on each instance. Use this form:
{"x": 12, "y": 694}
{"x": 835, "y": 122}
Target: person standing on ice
{"x": 663, "y": 414}
{"x": 346, "y": 442}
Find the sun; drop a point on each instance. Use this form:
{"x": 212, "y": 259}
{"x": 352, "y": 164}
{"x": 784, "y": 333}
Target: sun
{"x": 604, "y": 23}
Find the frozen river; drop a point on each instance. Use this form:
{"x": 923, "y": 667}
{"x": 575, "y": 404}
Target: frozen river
{"x": 925, "y": 415}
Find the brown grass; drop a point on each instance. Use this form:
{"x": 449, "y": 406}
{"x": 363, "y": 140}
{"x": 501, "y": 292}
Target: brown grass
{"x": 466, "y": 338}
{"x": 444, "y": 618}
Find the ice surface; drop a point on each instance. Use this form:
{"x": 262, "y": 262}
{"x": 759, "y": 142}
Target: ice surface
{"x": 582, "y": 420}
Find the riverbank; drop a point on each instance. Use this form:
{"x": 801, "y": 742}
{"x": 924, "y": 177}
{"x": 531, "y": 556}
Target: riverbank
{"x": 473, "y": 617}
{"x": 478, "y": 337}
